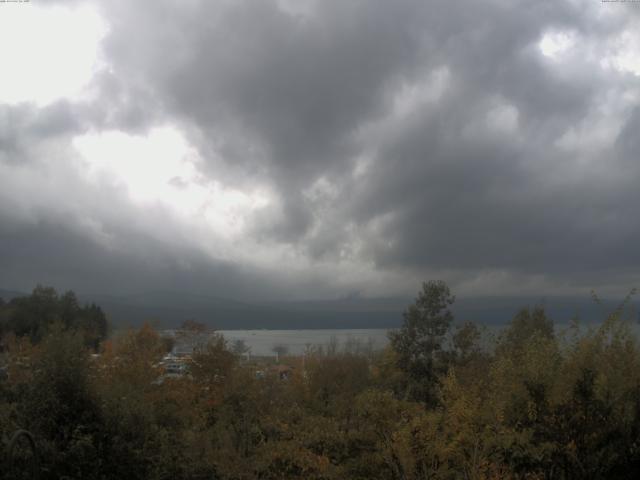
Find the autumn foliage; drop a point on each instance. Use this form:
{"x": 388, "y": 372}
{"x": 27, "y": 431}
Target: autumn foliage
{"x": 445, "y": 400}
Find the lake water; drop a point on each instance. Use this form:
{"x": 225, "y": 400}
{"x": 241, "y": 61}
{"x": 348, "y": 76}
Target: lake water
{"x": 262, "y": 342}
{"x": 296, "y": 342}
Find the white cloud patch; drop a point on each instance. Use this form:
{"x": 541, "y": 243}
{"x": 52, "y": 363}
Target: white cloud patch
{"x": 162, "y": 168}
{"x": 411, "y": 96}
{"x": 47, "y": 53}
{"x": 503, "y": 119}
{"x": 624, "y": 53}
{"x": 555, "y": 44}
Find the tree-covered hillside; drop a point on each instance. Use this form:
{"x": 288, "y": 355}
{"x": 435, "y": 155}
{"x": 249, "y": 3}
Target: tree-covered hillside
{"x": 443, "y": 401}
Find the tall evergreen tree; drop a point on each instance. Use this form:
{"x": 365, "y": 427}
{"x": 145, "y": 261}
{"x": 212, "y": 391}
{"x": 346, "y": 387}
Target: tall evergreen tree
{"x": 419, "y": 342}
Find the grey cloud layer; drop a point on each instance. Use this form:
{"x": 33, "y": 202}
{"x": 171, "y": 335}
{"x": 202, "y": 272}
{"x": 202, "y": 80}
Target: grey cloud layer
{"x": 483, "y": 177}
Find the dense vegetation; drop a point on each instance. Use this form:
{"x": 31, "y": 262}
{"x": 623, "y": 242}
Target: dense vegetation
{"x": 34, "y": 316}
{"x": 441, "y": 402}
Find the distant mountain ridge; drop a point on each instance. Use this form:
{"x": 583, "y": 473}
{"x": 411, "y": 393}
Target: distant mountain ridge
{"x": 9, "y": 294}
{"x": 168, "y": 309}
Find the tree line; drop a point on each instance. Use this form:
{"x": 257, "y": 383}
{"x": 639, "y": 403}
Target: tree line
{"x": 33, "y": 316}
{"x": 444, "y": 400}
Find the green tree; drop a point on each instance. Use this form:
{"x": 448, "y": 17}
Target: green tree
{"x": 32, "y": 316}
{"x": 526, "y": 324}
{"x": 213, "y": 362}
{"x": 280, "y": 351}
{"x": 61, "y": 408}
{"x": 466, "y": 342}
{"x": 93, "y": 323}
{"x": 240, "y": 347}
{"x": 419, "y": 342}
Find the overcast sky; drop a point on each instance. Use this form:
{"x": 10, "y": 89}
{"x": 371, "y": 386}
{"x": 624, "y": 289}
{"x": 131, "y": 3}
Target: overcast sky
{"x": 320, "y": 148}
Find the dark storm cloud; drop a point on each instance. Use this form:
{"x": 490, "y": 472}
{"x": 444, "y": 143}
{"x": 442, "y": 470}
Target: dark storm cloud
{"x": 274, "y": 89}
{"x": 503, "y": 202}
{"x": 628, "y": 142}
{"x": 120, "y": 103}
{"x": 506, "y": 163}
{"x": 24, "y": 124}
{"x": 56, "y": 254}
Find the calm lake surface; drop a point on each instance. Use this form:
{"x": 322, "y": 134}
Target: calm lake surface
{"x": 262, "y": 342}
